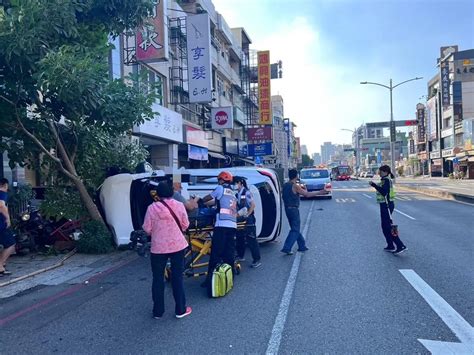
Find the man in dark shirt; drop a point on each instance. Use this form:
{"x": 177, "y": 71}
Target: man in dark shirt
{"x": 7, "y": 238}
{"x": 291, "y": 198}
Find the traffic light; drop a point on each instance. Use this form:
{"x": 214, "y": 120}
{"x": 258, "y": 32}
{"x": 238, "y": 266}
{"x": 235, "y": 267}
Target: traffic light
{"x": 411, "y": 123}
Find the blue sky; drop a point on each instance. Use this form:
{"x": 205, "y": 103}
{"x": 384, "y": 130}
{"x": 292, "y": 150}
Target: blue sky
{"x": 328, "y": 47}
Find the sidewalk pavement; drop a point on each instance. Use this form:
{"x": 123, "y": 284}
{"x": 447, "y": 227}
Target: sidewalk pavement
{"x": 35, "y": 269}
{"x": 458, "y": 190}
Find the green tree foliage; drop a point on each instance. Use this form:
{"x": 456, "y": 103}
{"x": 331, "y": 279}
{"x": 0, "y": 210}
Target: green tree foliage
{"x": 306, "y": 160}
{"x": 55, "y": 94}
{"x": 95, "y": 239}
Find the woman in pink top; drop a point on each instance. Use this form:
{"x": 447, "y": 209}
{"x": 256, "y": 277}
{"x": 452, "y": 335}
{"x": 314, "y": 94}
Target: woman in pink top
{"x": 167, "y": 242}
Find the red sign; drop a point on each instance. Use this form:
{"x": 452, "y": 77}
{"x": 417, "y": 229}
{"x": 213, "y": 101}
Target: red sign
{"x": 221, "y": 118}
{"x": 259, "y": 134}
{"x": 411, "y": 123}
{"x": 152, "y": 36}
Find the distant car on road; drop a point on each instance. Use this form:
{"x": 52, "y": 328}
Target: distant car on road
{"x": 315, "y": 179}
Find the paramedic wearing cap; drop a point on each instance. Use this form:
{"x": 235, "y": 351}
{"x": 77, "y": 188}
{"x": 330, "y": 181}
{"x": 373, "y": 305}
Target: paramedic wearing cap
{"x": 223, "y": 248}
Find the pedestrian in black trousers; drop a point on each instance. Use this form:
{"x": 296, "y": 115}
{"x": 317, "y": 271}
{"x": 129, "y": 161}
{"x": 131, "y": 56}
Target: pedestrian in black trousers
{"x": 385, "y": 194}
{"x": 248, "y": 235}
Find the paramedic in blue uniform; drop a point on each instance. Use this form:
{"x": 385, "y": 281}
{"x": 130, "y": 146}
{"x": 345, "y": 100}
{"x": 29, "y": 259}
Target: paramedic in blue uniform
{"x": 386, "y": 193}
{"x": 291, "y": 198}
{"x": 247, "y": 235}
{"x": 223, "y": 237}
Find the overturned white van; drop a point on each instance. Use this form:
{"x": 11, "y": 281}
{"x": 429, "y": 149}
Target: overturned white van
{"x": 124, "y": 198}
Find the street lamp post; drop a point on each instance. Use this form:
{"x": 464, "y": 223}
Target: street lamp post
{"x": 392, "y": 139}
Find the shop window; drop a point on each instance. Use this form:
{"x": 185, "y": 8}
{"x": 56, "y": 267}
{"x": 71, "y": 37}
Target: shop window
{"x": 448, "y": 142}
{"x": 149, "y": 80}
{"x": 220, "y": 87}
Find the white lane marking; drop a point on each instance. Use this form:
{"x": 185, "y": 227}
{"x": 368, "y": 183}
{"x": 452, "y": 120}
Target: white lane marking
{"x": 280, "y": 320}
{"x": 458, "y": 325}
{"x": 404, "y": 214}
{"x": 367, "y": 196}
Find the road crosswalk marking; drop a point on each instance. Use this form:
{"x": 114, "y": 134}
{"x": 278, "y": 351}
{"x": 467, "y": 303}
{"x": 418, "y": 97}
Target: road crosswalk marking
{"x": 345, "y": 200}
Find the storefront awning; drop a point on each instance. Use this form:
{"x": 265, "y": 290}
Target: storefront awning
{"x": 471, "y": 159}
{"x": 217, "y": 155}
{"x": 451, "y": 158}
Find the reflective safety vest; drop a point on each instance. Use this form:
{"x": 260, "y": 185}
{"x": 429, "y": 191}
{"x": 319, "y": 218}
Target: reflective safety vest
{"x": 391, "y": 195}
{"x": 227, "y": 205}
{"x": 242, "y": 199}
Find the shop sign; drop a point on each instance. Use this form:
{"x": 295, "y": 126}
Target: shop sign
{"x": 167, "y": 124}
{"x": 423, "y": 156}
{"x": 260, "y": 149}
{"x": 286, "y": 127}
{"x": 464, "y": 70}
{"x": 431, "y": 115}
{"x": 152, "y": 36}
{"x": 197, "y": 137}
{"x": 264, "y": 88}
{"x": 221, "y": 118}
{"x": 259, "y": 134}
{"x": 198, "y": 35}
{"x": 445, "y": 84}
{"x": 231, "y": 146}
{"x": 447, "y": 132}
{"x": 447, "y": 152}
{"x": 446, "y": 50}
{"x": 468, "y": 133}
{"x": 239, "y": 116}
{"x": 197, "y": 153}
{"x": 420, "y": 116}
{"x": 243, "y": 149}
{"x": 435, "y": 155}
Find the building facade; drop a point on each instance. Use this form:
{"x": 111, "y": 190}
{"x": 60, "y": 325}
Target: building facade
{"x": 183, "y": 133}
{"x": 450, "y": 115}
{"x": 327, "y": 150}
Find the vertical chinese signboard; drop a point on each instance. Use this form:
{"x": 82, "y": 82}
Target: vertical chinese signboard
{"x": 286, "y": 126}
{"x": 264, "y": 90}
{"x": 446, "y": 83}
{"x": 420, "y": 116}
{"x": 198, "y": 34}
{"x": 152, "y": 37}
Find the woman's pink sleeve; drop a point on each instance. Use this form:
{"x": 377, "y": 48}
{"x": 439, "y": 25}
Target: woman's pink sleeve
{"x": 147, "y": 223}
{"x": 183, "y": 217}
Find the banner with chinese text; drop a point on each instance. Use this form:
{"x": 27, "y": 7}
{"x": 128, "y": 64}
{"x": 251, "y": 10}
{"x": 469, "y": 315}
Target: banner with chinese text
{"x": 264, "y": 88}
{"x": 152, "y": 37}
{"x": 198, "y": 34}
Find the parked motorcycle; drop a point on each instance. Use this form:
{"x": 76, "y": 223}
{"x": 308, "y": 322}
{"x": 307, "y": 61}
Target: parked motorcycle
{"x": 32, "y": 231}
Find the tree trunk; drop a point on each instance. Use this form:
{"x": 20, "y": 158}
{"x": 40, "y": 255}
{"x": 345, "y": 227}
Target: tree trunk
{"x": 87, "y": 201}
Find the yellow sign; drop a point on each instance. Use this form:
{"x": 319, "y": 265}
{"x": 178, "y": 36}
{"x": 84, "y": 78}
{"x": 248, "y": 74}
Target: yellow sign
{"x": 264, "y": 89}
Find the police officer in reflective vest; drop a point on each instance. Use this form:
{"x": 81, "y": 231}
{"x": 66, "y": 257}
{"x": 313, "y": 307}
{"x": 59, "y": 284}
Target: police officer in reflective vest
{"x": 385, "y": 194}
{"x": 248, "y": 235}
{"x": 223, "y": 237}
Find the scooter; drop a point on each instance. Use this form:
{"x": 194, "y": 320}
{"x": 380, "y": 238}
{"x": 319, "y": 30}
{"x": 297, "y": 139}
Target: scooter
{"x": 32, "y": 231}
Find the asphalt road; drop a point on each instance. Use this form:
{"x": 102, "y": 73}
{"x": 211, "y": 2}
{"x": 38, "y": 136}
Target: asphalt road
{"x": 345, "y": 295}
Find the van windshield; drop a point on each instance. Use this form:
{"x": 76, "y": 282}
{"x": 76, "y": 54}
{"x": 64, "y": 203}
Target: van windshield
{"x": 314, "y": 174}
